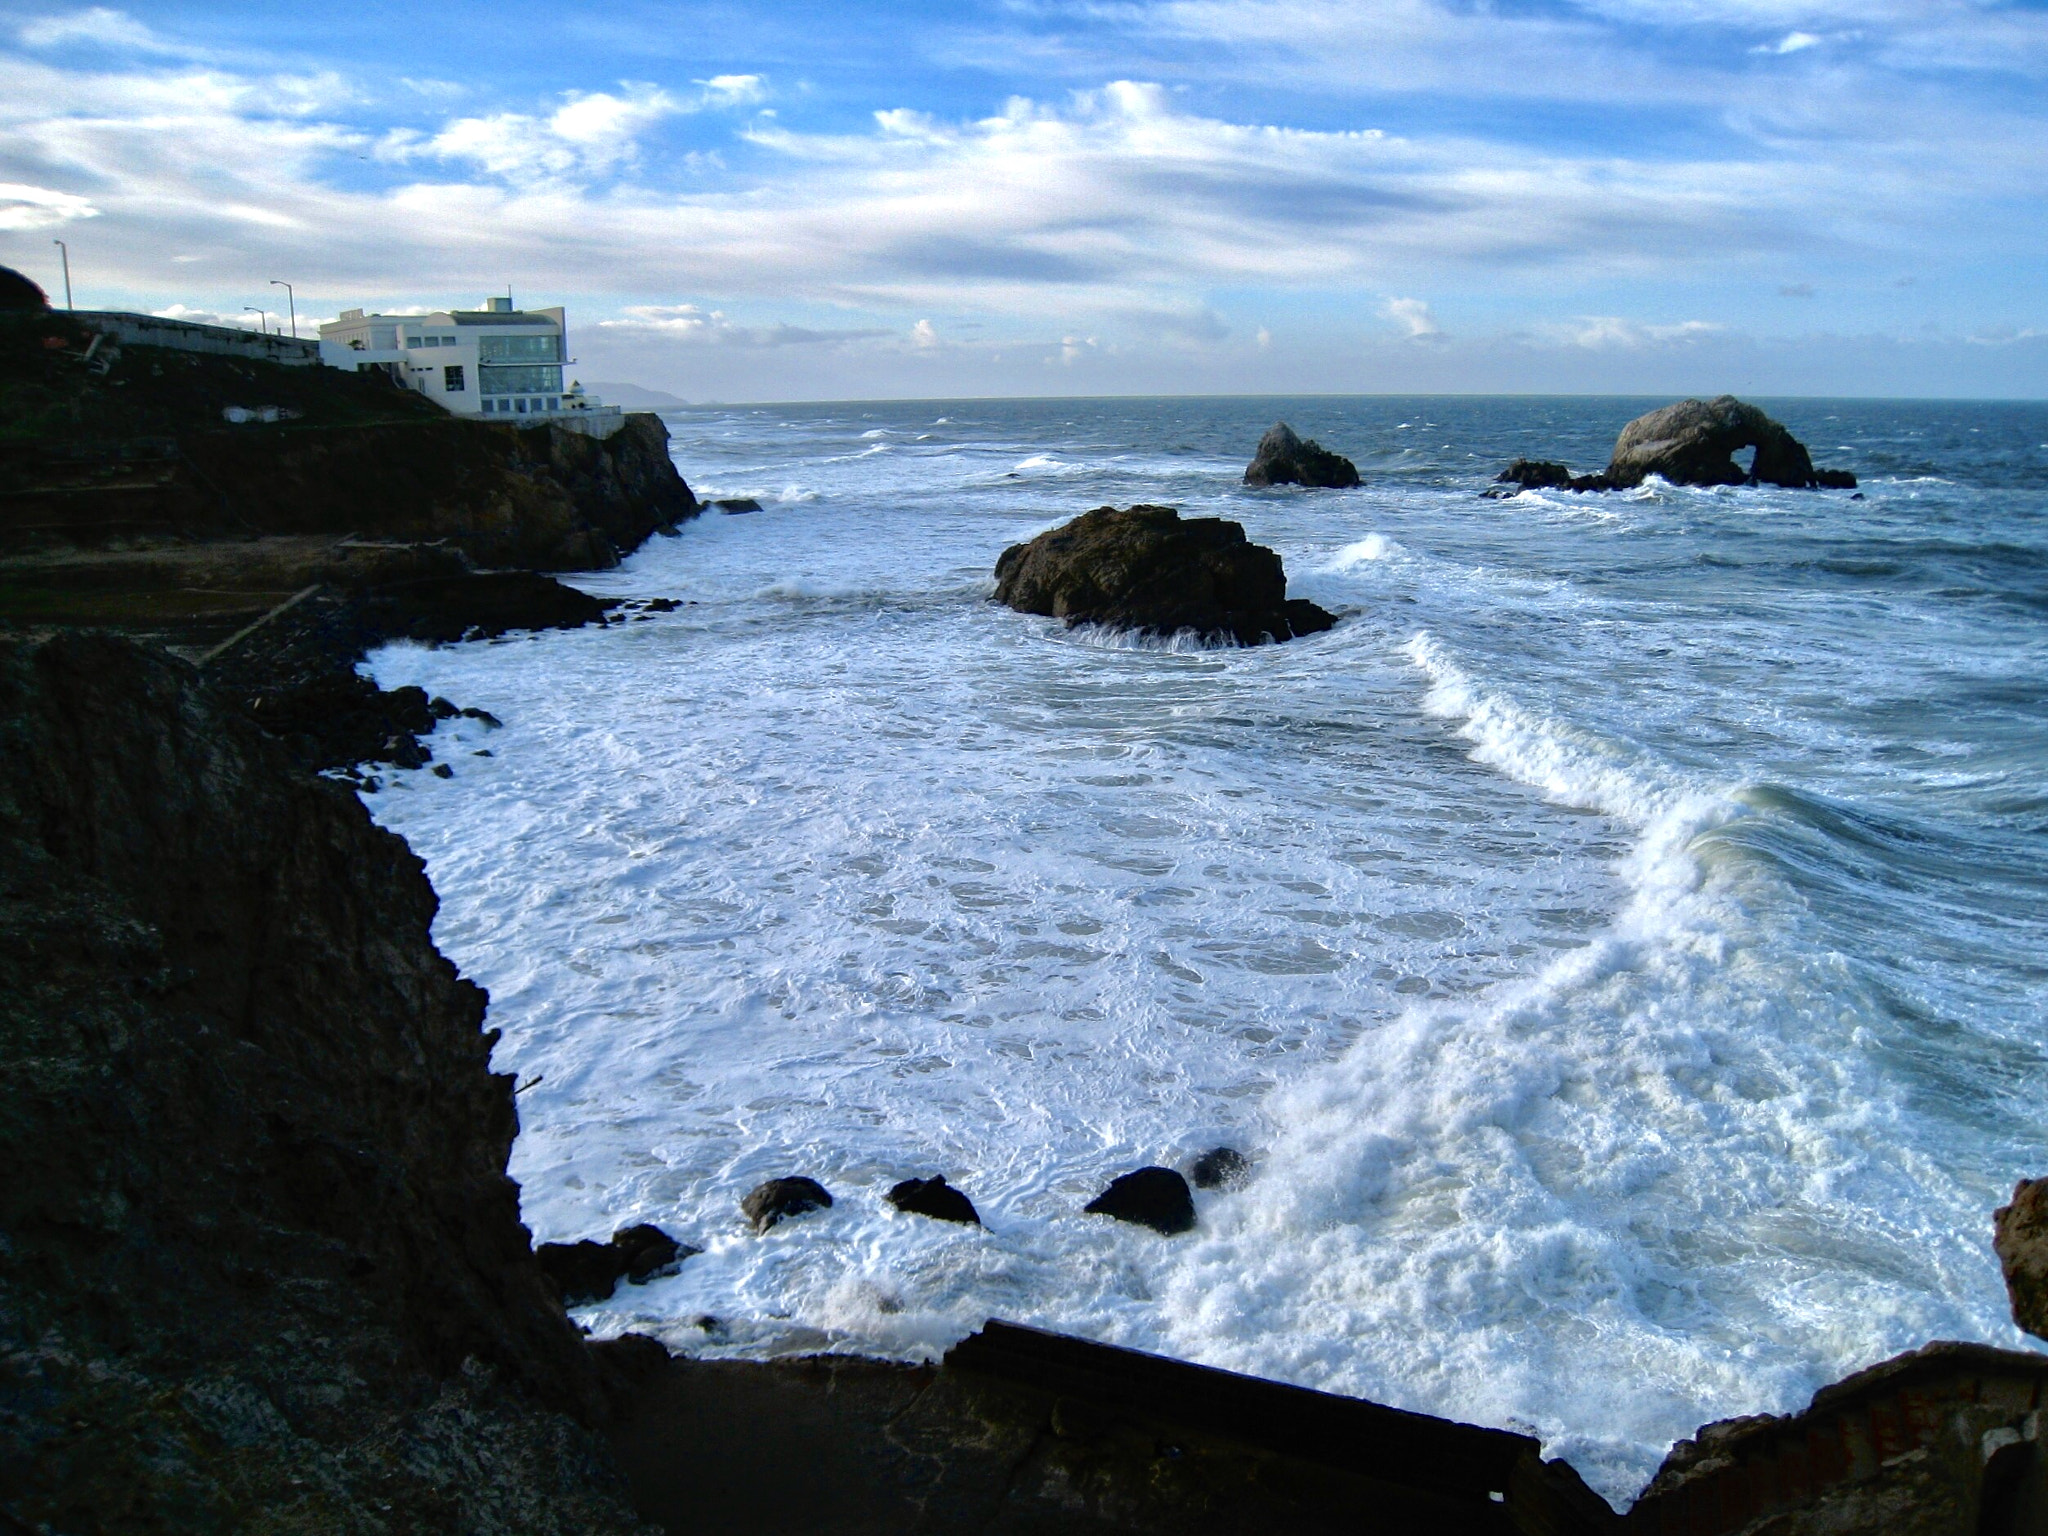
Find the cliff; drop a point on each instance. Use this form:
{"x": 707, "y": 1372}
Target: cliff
{"x": 104, "y": 445}
{"x": 264, "y": 1268}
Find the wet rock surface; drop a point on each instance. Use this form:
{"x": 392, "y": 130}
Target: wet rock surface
{"x": 1145, "y": 568}
{"x": 935, "y": 1198}
{"x": 1149, "y": 1197}
{"x": 2021, "y": 1241}
{"x": 264, "y": 1267}
{"x": 588, "y": 1271}
{"x": 779, "y": 1199}
{"x": 1692, "y": 442}
{"x": 1285, "y": 459}
{"x": 1222, "y": 1168}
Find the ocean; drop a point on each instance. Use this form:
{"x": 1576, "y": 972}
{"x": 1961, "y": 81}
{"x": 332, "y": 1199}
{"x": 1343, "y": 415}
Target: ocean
{"x": 1621, "y": 944}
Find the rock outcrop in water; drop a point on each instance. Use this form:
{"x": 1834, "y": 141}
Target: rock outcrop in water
{"x": 1693, "y": 442}
{"x": 587, "y": 1271}
{"x": 935, "y": 1198}
{"x": 1145, "y": 568}
{"x": 1284, "y": 459}
{"x": 263, "y": 1267}
{"x": 777, "y": 1200}
{"x": 1149, "y": 1197}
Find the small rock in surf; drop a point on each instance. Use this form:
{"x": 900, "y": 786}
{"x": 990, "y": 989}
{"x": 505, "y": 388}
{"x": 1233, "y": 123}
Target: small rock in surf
{"x": 935, "y": 1198}
{"x": 1151, "y": 1197}
{"x": 779, "y": 1199}
{"x": 1222, "y": 1168}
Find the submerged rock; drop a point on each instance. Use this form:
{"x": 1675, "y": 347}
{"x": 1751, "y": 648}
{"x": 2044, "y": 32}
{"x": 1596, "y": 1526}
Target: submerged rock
{"x": 586, "y": 1271}
{"x": 779, "y": 1199}
{"x": 1222, "y": 1168}
{"x": 935, "y": 1198}
{"x": 2021, "y": 1242}
{"x": 1284, "y": 459}
{"x": 1147, "y": 569}
{"x": 1535, "y": 474}
{"x": 1150, "y": 1197}
{"x": 732, "y": 506}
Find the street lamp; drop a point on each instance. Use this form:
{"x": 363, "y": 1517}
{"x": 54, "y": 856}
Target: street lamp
{"x": 262, "y": 318}
{"x": 67, "y": 272}
{"x": 291, "y": 299}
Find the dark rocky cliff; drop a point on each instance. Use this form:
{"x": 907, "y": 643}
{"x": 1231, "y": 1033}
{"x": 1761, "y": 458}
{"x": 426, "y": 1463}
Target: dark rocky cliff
{"x": 260, "y": 1263}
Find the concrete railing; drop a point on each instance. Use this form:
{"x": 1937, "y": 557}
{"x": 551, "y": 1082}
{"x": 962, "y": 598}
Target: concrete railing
{"x": 191, "y": 336}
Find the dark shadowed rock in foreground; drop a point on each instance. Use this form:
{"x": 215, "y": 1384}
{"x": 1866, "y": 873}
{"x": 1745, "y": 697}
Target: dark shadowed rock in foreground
{"x": 2022, "y": 1244}
{"x": 263, "y": 1266}
{"x": 1151, "y": 1197}
{"x": 21, "y": 293}
{"x": 1147, "y": 569}
{"x": 1693, "y": 442}
{"x": 1943, "y": 1441}
{"x": 587, "y": 1271}
{"x": 936, "y": 1198}
{"x": 1284, "y": 459}
{"x": 778, "y": 1199}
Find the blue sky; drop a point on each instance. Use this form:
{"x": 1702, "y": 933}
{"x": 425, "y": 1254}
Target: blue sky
{"x": 805, "y": 201}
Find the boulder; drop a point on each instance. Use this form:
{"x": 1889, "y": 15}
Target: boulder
{"x": 732, "y": 506}
{"x": 2021, "y": 1242}
{"x": 778, "y": 1199}
{"x": 1284, "y": 459}
{"x": 1222, "y": 1168}
{"x": 935, "y": 1198}
{"x": 1693, "y": 443}
{"x": 1151, "y": 1197}
{"x": 1147, "y": 569}
{"x": 18, "y": 292}
{"x": 586, "y": 1271}
{"x": 1535, "y": 474}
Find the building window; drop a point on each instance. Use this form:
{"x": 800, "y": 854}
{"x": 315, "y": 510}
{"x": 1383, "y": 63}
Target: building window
{"x": 519, "y": 349}
{"x": 451, "y": 379}
{"x": 498, "y": 379}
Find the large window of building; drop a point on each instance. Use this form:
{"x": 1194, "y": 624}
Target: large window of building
{"x": 521, "y": 381}
{"x": 519, "y": 349}
{"x": 451, "y": 379}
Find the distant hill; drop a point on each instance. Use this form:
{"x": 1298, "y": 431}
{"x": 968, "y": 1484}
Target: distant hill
{"x": 633, "y": 398}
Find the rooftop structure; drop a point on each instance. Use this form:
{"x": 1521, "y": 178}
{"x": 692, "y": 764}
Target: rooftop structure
{"x": 495, "y": 362}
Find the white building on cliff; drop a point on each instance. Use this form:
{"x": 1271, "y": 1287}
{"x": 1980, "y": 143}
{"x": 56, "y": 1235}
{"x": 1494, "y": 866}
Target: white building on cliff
{"x": 495, "y": 362}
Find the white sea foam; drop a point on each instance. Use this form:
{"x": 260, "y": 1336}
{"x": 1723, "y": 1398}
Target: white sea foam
{"x": 1573, "y": 1100}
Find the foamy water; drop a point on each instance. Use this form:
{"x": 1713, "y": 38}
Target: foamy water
{"x": 1618, "y": 943}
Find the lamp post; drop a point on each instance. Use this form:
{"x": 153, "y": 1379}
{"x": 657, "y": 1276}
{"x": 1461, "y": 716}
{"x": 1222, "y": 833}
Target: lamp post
{"x": 67, "y": 272}
{"x": 290, "y": 299}
{"x": 262, "y": 318}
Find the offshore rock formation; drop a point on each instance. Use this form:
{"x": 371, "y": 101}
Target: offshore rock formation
{"x": 1284, "y": 459}
{"x": 264, "y": 1268}
{"x": 1146, "y": 569}
{"x": 1690, "y": 443}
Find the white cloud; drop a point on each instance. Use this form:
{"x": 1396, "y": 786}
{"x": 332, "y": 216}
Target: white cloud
{"x": 1791, "y": 42}
{"x": 1413, "y": 316}
{"x": 924, "y": 335}
{"x": 733, "y": 90}
{"x": 1599, "y": 333}
{"x": 591, "y": 134}
{"x": 26, "y": 207}
{"x": 695, "y": 326}
{"x": 101, "y": 25}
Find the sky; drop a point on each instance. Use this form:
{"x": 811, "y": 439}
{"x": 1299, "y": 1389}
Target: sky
{"x": 1078, "y": 197}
